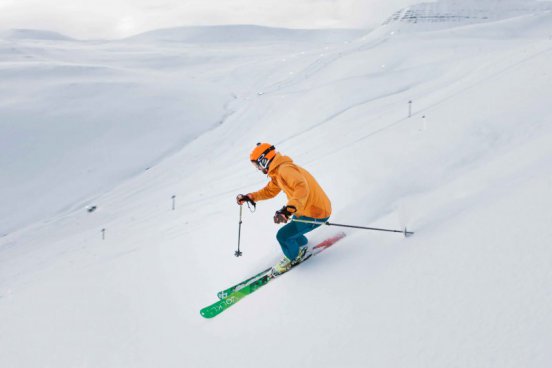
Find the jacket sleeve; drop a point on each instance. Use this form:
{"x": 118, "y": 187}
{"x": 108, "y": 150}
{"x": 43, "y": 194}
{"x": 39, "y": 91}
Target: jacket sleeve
{"x": 300, "y": 187}
{"x": 271, "y": 190}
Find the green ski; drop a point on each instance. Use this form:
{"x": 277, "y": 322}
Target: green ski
{"x": 224, "y": 294}
{"x": 249, "y": 286}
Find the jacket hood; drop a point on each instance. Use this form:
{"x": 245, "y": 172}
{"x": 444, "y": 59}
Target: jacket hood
{"x": 277, "y": 161}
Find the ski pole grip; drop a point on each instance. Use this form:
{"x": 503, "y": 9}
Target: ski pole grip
{"x": 248, "y": 199}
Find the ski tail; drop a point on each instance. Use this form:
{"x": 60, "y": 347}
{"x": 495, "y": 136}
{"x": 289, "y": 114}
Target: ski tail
{"x": 327, "y": 243}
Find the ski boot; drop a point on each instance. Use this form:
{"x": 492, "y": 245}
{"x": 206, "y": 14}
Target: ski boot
{"x": 285, "y": 264}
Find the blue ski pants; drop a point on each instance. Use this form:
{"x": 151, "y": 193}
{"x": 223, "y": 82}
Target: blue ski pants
{"x": 292, "y": 235}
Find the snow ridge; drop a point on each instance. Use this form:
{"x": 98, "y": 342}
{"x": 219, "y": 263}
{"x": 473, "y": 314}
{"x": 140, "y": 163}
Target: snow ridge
{"x": 467, "y": 11}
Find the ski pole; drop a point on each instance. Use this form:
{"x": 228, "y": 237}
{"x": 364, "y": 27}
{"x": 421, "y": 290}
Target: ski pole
{"x": 238, "y": 253}
{"x": 406, "y": 233}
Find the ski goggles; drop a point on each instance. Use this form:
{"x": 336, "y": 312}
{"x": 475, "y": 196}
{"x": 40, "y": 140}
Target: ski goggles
{"x": 263, "y": 160}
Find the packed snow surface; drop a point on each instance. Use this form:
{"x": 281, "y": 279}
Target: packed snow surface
{"x": 470, "y": 171}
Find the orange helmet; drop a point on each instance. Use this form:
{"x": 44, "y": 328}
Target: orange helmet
{"x": 262, "y": 155}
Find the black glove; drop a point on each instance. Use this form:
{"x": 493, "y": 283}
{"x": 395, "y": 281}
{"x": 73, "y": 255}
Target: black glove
{"x": 242, "y": 198}
{"x": 283, "y": 214}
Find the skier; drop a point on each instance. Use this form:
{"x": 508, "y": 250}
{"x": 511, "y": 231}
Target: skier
{"x": 305, "y": 201}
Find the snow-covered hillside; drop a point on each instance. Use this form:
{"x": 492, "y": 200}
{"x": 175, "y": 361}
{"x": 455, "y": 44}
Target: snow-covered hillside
{"x": 470, "y": 171}
{"x": 79, "y": 117}
{"x": 446, "y": 12}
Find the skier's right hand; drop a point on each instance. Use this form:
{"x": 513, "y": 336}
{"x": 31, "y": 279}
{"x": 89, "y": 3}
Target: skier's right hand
{"x": 242, "y": 198}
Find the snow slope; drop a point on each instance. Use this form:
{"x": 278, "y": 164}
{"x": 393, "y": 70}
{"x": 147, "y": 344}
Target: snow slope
{"x": 470, "y": 171}
{"x": 117, "y": 107}
{"x": 245, "y": 34}
{"x": 446, "y": 12}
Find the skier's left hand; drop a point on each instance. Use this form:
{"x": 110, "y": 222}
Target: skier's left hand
{"x": 283, "y": 214}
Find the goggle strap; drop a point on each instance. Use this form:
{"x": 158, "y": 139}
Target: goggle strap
{"x": 262, "y": 156}
{"x": 266, "y": 151}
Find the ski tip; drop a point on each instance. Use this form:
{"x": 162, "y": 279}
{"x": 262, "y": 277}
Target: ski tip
{"x": 204, "y": 314}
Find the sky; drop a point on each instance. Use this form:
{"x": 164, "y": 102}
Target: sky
{"x": 86, "y": 19}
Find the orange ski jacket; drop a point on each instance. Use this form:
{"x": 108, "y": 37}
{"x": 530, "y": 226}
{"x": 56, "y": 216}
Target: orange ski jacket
{"x": 302, "y": 190}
